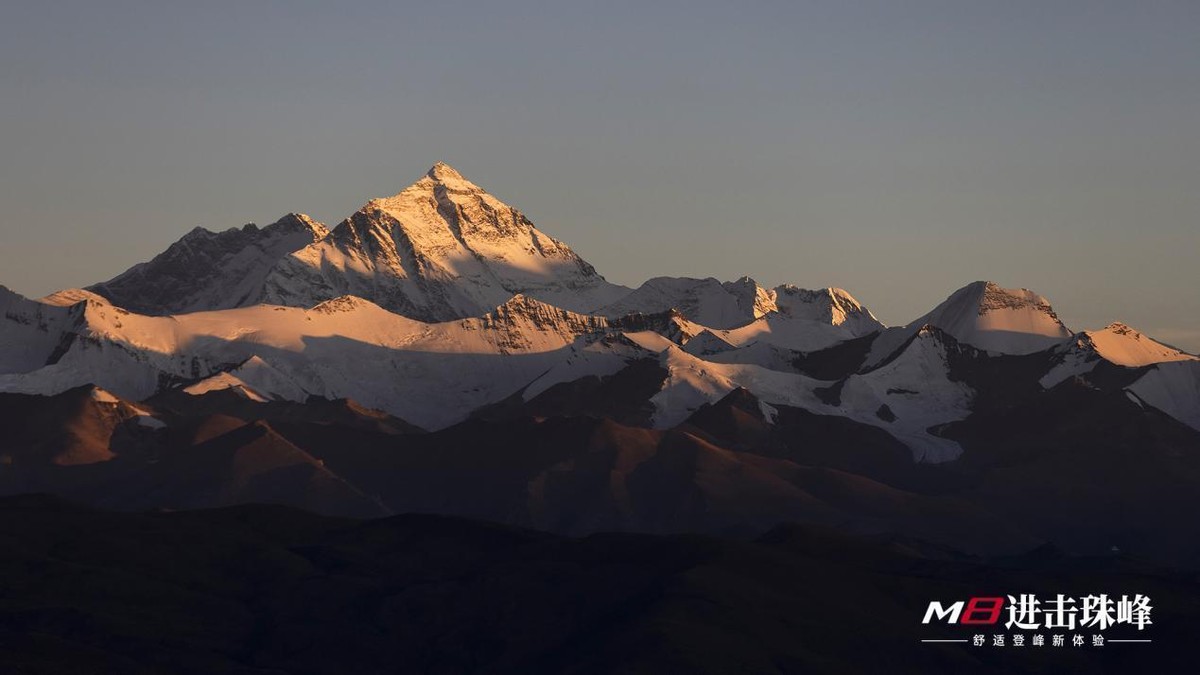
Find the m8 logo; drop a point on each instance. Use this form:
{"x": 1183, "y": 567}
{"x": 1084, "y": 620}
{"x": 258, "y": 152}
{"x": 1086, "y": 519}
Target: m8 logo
{"x": 973, "y": 612}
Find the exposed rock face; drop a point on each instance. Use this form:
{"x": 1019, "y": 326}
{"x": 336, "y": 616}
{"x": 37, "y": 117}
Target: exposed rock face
{"x": 986, "y": 316}
{"x": 833, "y": 306}
{"x": 732, "y": 304}
{"x": 442, "y": 301}
{"x": 514, "y": 321}
{"x": 441, "y": 249}
{"x": 705, "y": 301}
{"x": 210, "y": 270}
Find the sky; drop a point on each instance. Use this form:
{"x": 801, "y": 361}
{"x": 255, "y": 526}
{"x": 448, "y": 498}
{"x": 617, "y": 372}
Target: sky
{"x": 898, "y": 150}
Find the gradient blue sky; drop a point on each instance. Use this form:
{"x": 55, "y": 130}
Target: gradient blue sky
{"x": 897, "y": 149}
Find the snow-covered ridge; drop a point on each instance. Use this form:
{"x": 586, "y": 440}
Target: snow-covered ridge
{"x": 210, "y": 270}
{"x": 254, "y": 379}
{"x": 827, "y": 305}
{"x": 441, "y": 299}
{"x": 440, "y": 249}
{"x": 436, "y": 373}
{"x": 704, "y": 301}
{"x": 431, "y": 373}
{"x": 735, "y": 304}
{"x": 1116, "y": 343}
{"x": 523, "y": 310}
{"x": 984, "y": 315}
{"x": 908, "y": 397}
{"x": 1174, "y": 388}
{"x": 994, "y": 298}
{"x": 1005, "y": 321}
{"x": 73, "y": 296}
{"x": 1126, "y": 346}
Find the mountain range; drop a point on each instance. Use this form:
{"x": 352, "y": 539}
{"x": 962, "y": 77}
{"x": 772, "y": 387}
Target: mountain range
{"x": 437, "y": 352}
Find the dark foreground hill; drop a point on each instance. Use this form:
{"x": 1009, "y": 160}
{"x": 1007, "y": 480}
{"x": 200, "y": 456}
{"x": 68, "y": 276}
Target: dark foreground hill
{"x": 258, "y": 589}
{"x": 1081, "y": 469}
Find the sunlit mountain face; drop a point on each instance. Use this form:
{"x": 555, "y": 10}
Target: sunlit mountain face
{"x": 438, "y": 353}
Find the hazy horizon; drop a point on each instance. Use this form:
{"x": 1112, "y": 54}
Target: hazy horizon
{"x": 899, "y": 153}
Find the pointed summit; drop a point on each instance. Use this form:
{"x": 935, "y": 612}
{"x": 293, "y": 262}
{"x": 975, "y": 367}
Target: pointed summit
{"x": 299, "y": 222}
{"x": 443, "y": 248}
{"x": 984, "y": 315}
{"x": 832, "y": 306}
{"x": 445, "y": 176}
{"x": 532, "y": 314}
{"x": 999, "y": 320}
{"x": 443, "y": 171}
{"x": 1118, "y": 344}
{"x": 1124, "y": 345}
{"x": 210, "y": 270}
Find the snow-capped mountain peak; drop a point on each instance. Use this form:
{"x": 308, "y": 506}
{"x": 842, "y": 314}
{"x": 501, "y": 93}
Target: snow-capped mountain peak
{"x": 522, "y": 310}
{"x": 444, "y": 174}
{"x": 441, "y": 299}
{"x": 1124, "y": 345}
{"x": 440, "y": 249}
{"x": 299, "y": 222}
{"x": 208, "y": 270}
{"x": 994, "y": 299}
{"x": 986, "y": 316}
{"x": 342, "y": 304}
{"x": 1116, "y": 343}
{"x": 708, "y": 302}
{"x": 833, "y": 306}
{"x": 759, "y": 300}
